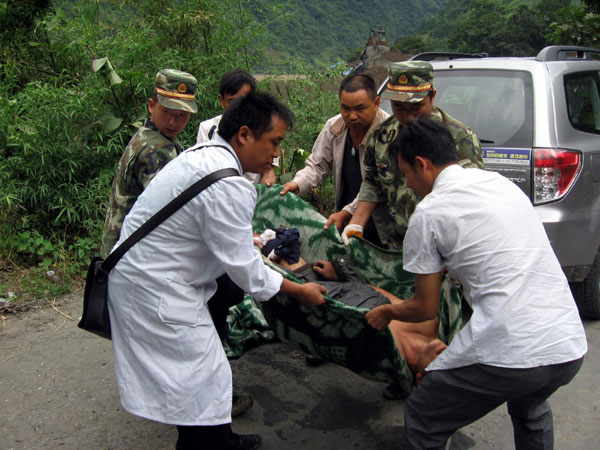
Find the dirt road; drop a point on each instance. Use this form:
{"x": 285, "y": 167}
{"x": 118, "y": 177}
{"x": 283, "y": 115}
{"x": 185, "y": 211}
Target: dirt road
{"x": 58, "y": 391}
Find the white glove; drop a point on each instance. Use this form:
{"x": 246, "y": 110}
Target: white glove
{"x": 351, "y": 230}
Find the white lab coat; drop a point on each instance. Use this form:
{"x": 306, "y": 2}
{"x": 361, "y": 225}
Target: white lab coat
{"x": 169, "y": 361}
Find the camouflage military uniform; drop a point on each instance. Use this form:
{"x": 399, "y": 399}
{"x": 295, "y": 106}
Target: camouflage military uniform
{"x": 146, "y": 154}
{"x": 384, "y": 182}
{"x": 148, "y": 151}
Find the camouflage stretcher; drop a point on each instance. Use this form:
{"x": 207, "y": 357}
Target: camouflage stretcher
{"x": 337, "y": 332}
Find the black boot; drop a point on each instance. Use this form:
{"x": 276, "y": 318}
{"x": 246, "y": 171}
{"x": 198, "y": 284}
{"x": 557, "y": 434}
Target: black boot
{"x": 240, "y": 402}
{"x": 313, "y": 361}
{"x": 242, "y": 442}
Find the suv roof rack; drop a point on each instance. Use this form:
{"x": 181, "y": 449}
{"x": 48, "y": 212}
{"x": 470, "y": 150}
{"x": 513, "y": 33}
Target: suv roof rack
{"x": 562, "y": 53}
{"x": 445, "y": 56}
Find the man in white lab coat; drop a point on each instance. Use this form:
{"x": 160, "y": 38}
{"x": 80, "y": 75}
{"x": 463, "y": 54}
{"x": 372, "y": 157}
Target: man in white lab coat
{"x": 169, "y": 361}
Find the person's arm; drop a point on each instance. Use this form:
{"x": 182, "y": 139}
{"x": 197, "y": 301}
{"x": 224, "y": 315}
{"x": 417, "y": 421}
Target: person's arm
{"x": 150, "y": 161}
{"x": 325, "y": 269}
{"x": 229, "y": 237}
{"x": 423, "y": 305}
{"x": 343, "y": 216}
{"x": 316, "y": 167}
{"x": 268, "y": 177}
{"x": 370, "y": 193}
{"x": 338, "y": 219}
{"x": 363, "y": 213}
{"x": 290, "y": 186}
{"x": 309, "y": 294}
{"x": 340, "y": 269}
{"x": 469, "y": 150}
{"x": 358, "y": 221}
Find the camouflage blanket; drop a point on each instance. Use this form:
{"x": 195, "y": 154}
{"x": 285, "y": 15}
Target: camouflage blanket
{"x": 247, "y": 328}
{"x": 334, "y": 331}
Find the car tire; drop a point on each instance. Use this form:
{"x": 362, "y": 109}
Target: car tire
{"x": 587, "y": 292}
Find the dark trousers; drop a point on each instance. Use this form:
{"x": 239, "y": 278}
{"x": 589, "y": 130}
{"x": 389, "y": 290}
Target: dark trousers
{"x": 451, "y": 399}
{"x": 202, "y": 437}
{"x": 228, "y": 294}
{"x": 371, "y": 235}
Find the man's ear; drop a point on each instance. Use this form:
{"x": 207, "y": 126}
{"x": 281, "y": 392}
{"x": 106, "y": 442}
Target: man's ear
{"x": 421, "y": 163}
{"x": 377, "y": 101}
{"x": 244, "y": 134}
{"x": 426, "y": 170}
{"x": 150, "y": 105}
{"x": 222, "y": 101}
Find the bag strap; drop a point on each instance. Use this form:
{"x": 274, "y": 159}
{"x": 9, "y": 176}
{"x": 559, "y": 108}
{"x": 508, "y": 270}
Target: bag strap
{"x": 163, "y": 214}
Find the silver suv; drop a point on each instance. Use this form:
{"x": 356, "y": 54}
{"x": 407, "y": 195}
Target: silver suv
{"x": 538, "y": 120}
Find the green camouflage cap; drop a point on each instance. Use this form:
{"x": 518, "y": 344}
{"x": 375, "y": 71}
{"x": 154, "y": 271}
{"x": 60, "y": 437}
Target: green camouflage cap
{"x": 409, "y": 81}
{"x": 175, "y": 90}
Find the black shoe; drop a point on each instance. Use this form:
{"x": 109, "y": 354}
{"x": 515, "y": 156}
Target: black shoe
{"x": 242, "y": 442}
{"x": 240, "y": 403}
{"x": 313, "y": 361}
{"x": 393, "y": 391}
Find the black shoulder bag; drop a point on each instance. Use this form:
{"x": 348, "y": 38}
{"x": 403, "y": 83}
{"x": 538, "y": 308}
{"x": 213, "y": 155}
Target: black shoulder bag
{"x": 95, "y": 317}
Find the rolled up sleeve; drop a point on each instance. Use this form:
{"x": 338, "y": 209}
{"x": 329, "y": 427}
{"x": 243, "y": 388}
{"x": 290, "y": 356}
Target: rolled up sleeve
{"x": 420, "y": 254}
{"x": 370, "y": 189}
{"x": 319, "y": 164}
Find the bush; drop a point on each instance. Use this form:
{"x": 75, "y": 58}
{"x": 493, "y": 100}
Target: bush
{"x": 66, "y": 125}
{"x": 313, "y": 98}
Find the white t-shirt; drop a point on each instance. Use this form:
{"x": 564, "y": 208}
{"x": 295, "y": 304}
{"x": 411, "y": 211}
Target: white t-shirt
{"x": 208, "y": 131}
{"x": 484, "y": 230}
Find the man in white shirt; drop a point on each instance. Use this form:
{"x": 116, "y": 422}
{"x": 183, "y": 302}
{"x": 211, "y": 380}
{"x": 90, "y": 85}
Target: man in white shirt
{"x": 340, "y": 148}
{"x": 233, "y": 85}
{"x": 525, "y": 338}
{"x": 169, "y": 361}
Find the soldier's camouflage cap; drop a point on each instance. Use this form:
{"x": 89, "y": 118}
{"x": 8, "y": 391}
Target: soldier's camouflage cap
{"x": 409, "y": 81}
{"x": 175, "y": 89}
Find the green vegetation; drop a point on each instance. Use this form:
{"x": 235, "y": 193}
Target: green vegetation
{"x": 501, "y": 30}
{"x": 75, "y": 76}
{"x": 323, "y": 32}
{"x": 74, "y": 80}
{"x": 578, "y": 24}
{"x": 505, "y": 28}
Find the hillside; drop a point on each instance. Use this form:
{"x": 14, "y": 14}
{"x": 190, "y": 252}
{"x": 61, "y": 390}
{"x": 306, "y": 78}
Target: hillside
{"x": 323, "y": 32}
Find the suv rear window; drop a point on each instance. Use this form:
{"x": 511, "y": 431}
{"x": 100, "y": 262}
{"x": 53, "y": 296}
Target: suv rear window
{"x": 496, "y": 104}
{"x": 583, "y": 101}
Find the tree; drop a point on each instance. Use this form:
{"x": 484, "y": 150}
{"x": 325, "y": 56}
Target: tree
{"x": 577, "y": 25}
{"x": 411, "y": 44}
{"x": 479, "y": 29}
{"x": 498, "y": 30}
{"x": 24, "y": 43}
{"x": 57, "y": 157}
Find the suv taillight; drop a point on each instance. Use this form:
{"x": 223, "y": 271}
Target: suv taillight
{"x": 554, "y": 172}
